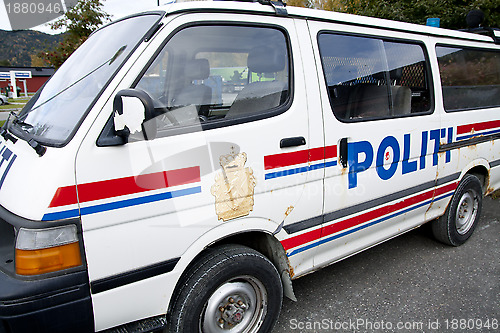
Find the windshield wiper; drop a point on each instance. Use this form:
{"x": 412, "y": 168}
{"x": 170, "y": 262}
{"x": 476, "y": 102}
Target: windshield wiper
{"x": 24, "y": 134}
{"x": 17, "y": 120}
{"x": 40, "y": 150}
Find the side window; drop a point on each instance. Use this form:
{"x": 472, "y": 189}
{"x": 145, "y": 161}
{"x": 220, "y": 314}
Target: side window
{"x": 370, "y": 78}
{"x": 208, "y": 75}
{"x": 470, "y": 78}
{"x": 154, "y": 80}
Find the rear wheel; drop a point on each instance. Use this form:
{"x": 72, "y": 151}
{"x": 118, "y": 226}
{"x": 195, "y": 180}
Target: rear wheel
{"x": 230, "y": 289}
{"x": 462, "y": 214}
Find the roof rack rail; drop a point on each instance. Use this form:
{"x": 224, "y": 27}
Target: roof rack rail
{"x": 486, "y": 31}
{"x": 278, "y": 5}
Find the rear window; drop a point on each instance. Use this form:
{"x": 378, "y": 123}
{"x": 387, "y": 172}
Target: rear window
{"x": 371, "y": 78}
{"x": 470, "y": 78}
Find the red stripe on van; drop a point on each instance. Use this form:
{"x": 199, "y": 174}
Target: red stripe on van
{"x": 286, "y": 159}
{"x": 365, "y": 217}
{"x": 299, "y": 157}
{"x": 123, "y": 186}
{"x": 330, "y": 152}
{"x": 64, "y": 196}
{"x": 477, "y": 127}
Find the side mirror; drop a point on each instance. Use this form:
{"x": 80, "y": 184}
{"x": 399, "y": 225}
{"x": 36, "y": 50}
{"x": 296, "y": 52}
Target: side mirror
{"x": 134, "y": 112}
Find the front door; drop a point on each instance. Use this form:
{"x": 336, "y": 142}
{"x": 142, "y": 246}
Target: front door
{"x": 228, "y": 151}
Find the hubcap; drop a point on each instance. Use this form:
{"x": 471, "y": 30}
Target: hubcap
{"x": 237, "y": 306}
{"x": 466, "y": 212}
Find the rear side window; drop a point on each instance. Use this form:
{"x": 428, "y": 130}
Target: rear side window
{"x": 371, "y": 78}
{"x": 211, "y": 76}
{"x": 470, "y": 78}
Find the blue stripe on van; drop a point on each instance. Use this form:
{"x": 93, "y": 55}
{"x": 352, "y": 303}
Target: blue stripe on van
{"x": 120, "y": 204}
{"x": 465, "y": 137}
{"x": 283, "y": 173}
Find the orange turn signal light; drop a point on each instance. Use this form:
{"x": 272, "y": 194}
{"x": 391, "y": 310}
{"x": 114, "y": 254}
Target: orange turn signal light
{"x": 34, "y": 262}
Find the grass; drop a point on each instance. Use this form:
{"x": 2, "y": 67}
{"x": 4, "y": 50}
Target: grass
{"x": 19, "y": 103}
{"x": 11, "y": 106}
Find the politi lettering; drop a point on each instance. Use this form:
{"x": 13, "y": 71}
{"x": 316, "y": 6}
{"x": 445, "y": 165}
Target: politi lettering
{"x": 361, "y": 155}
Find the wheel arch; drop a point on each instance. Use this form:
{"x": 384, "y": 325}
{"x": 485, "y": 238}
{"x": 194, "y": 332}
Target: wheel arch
{"x": 262, "y": 241}
{"x": 270, "y": 247}
{"x": 481, "y": 170}
{"x": 463, "y": 211}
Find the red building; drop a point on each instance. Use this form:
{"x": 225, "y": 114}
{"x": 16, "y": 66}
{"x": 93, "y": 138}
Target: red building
{"x": 39, "y": 75}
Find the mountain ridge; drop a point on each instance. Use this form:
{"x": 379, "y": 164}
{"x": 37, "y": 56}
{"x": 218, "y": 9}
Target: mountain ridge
{"x": 21, "y": 48}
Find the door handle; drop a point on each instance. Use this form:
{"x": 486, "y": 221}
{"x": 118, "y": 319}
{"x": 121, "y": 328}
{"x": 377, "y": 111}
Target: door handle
{"x": 343, "y": 152}
{"x": 292, "y": 142}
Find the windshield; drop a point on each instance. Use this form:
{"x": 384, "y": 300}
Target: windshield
{"x": 55, "y": 112}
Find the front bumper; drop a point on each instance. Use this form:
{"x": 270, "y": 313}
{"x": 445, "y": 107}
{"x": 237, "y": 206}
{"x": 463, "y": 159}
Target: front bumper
{"x": 56, "y": 304}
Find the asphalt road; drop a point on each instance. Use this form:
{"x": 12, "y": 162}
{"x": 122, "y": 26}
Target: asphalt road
{"x": 409, "y": 284}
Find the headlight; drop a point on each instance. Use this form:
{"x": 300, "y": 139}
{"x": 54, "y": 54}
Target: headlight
{"x": 40, "y": 251}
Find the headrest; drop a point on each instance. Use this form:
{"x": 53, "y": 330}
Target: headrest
{"x": 197, "y": 69}
{"x": 266, "y": 59}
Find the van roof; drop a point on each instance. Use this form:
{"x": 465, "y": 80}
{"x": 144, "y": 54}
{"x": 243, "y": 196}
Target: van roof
{"x": 322, "y": 15}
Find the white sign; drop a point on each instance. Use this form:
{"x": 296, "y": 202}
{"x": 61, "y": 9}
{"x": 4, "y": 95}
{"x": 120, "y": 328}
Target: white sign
{"x": 17, "y": 75}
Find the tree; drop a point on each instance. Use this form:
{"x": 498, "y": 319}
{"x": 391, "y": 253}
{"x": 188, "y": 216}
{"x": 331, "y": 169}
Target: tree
{"x": 298, "y": 3}
{"x": 37, "y": 61}
{"x": 332, "y": 5}
{"x": 451, "y": 12}
{"x": 80, "y": 21}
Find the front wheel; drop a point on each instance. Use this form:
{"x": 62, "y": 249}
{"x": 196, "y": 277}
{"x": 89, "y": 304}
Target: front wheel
{"x": 230, "y": 289}
{"x": 462, "y": 214}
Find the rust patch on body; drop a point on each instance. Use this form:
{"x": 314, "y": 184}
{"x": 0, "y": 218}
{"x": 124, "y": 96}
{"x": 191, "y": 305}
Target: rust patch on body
{"x": 290, "y": 269}
{"x": 489, "y": 191}
{"x": 288, "y": 211}
{"x": 234, "y": 187}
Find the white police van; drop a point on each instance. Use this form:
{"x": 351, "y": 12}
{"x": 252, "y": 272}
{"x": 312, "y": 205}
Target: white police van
{"x": 186, "y": 164}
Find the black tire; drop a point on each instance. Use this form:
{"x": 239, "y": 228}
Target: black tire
{"x": 230, "y": 285}
{"x": 462, "y": 215}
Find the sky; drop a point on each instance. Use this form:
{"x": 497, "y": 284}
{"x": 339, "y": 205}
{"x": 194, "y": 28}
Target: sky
{"x": 116, "y": 8}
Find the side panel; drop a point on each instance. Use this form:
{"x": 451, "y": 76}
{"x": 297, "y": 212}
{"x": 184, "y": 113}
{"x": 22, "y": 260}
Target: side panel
{"x": 388, "y": 181}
